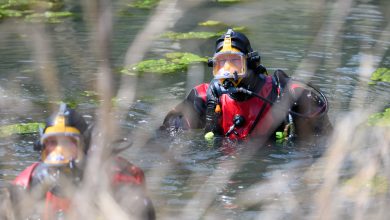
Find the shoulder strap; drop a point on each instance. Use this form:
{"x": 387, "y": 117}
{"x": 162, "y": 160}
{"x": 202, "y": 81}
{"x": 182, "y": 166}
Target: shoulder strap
{"x": 281, "y": 80}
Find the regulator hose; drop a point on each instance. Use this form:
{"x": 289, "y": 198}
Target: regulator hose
{"x": 212, "y": 116}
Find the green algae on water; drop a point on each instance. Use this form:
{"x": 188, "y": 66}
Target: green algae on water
{"x": 4, "y": 13}
{"x": 50, "y": 17}
{"x": 190, "y": 35}
{"x": 381, "y": 119}
{"x": 198, "y": 34}
{"x": 380, "y": 75}
{"x": 211, "y": 23}
{"x": 229, "y": 1}
{"x": 144, "y": 4}
{"x": 157, "y": 66}
{"x": 36, "y": 11}
{"x": 22, "y": 128}
{"x": 185, "y": 58}
{"x": 173, "y": 62}
{"x": 218, "y": 25}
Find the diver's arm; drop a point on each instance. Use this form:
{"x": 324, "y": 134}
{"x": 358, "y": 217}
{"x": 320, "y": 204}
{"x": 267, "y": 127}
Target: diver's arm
{"x": 190, "y": 113}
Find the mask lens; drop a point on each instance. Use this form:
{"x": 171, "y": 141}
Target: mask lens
{"x": 61, "y": 149}
{"x": 226, "y": 64}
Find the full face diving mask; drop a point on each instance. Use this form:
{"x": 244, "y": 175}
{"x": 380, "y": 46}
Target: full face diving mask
{"x": 62, "y": 143}
{"x": 60, "y": 169}
{"x": 229, "y": 63}
{"x": 61, "y": 150}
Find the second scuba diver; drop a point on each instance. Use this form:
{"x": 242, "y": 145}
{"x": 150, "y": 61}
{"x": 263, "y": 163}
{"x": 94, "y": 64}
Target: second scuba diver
{"x": 64, "y": 145}
{"x": 243, "y": 101}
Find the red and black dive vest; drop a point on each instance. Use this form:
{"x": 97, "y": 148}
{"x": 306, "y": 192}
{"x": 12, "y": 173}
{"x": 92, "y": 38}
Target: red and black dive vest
{"x": 254, "y": 111}
{"x": 123, "y": 173}
{"x": 301, "y": 110}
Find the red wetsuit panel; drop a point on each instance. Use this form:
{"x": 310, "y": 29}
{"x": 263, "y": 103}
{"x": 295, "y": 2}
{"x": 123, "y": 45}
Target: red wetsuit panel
{"x": 249, "y": 109}
{"x": 125, "y": 172}
{"x": 202, "y": 91}
{"x": 54, "y": 204}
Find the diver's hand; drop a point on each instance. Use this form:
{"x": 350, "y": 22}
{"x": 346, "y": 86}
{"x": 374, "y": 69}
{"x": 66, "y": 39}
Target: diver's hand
{"x": 43, "y": 177}
{"x": 56, "y": 179}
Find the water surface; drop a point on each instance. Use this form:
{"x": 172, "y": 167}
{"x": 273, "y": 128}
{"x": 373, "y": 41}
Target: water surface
{"x": 317, "y": 41}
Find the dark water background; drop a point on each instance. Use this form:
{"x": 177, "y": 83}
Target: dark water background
{"x": 326, "y": 42}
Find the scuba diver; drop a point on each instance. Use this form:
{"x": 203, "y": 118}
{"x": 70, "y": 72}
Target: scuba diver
{"x": 243, "y": 101}
{"x": 64, "y": 145}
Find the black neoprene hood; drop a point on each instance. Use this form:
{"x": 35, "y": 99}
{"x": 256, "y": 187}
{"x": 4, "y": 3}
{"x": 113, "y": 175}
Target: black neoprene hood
{"x": 72, "y": 118}
{"x": 239, "y": 41}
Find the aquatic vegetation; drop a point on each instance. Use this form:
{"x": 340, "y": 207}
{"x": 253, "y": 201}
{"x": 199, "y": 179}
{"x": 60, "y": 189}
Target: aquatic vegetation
{"x": 51, "y": 17}
{"x": 35, "y": 11}
{"x": 218, "y": 25}
{"x": 22, "y": 128}
{"x": 86, "y": 96}
{"x": 214, "y": 23}
{"x": 156, "y": 66}
{"x": 144, "y": 4}
{"x": 229, "y": 1}
{"x": 10, "y": 13}
{"x": 198, "y": 35}
{"x": 237, "y": 28}
{"x": 381, "y": 74}
{"x": 185, "y": 58}
{"x": 174, "y": 62}
{"x": 381, "y": 119}
{"x": 210, "y": 23}
{"x": 190, "y": 35}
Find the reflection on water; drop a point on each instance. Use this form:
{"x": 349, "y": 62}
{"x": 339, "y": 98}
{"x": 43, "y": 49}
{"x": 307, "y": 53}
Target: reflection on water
{"x": 316, "y": 40}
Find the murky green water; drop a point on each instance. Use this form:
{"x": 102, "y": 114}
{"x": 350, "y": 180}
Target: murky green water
{"x": 323, "y": 41}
